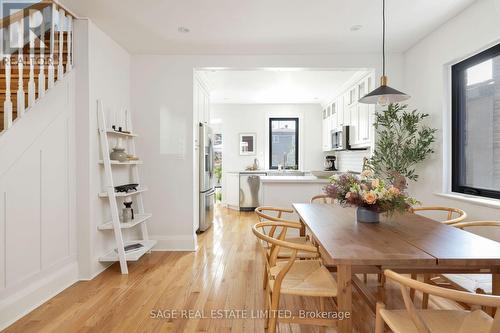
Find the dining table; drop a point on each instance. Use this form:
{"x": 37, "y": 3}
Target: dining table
{"x": 405, "y": 243}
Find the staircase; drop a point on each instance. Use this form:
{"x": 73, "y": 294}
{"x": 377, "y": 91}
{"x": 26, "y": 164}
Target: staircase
{"x": 40, "y": 54}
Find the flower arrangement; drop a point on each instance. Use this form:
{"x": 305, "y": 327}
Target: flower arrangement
{"x": 369, "y": 192}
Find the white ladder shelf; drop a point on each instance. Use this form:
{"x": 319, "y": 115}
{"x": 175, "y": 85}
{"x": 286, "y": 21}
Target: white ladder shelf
{"x": 140, "y": 218}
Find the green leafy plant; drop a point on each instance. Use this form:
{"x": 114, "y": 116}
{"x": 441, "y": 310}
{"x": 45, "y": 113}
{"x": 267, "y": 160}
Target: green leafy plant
{"x": 218, "y": 173}
{"x": 403, "y": 142}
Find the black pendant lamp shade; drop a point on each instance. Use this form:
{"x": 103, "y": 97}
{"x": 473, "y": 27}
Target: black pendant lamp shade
{"x": 384, "y": 94}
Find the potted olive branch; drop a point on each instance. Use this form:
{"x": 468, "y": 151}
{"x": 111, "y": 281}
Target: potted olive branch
{"x": 403, "y": 142}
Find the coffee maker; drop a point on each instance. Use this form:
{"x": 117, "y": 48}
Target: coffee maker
{"x": 330, "y": 163}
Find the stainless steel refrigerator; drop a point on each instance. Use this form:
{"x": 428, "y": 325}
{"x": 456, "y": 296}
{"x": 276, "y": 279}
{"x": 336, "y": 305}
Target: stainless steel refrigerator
{"x": 207, "y": 189}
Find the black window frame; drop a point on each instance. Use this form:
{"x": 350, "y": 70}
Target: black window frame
{"x": 458, "y": 81}
{"x": 294, "y": 119}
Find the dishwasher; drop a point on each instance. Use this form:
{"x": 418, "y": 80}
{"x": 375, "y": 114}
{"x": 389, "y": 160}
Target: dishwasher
{"x": 250, "y": 190}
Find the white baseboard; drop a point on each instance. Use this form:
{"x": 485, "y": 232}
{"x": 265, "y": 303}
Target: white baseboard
{"x": 17, "y": 305}
{"x": 175, "y": 243}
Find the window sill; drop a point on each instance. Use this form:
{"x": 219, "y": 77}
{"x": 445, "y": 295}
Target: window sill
{"x": 487, "y": 202}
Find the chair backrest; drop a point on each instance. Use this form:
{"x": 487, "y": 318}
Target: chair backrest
{"x": 463, "y": 225}
{"x": 407, "y": 283}
{"x": 264, "y": 213}
{"x": 461, "y": 215}
{"x": 322, "y": 198}
{"x": 276, "y": 242}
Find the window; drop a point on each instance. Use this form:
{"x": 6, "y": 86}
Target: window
{"x": 476, "y": 125}
{"x": 284, "y": 145}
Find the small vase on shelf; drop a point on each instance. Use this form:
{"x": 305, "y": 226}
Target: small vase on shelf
{"x": 364, "y": 215}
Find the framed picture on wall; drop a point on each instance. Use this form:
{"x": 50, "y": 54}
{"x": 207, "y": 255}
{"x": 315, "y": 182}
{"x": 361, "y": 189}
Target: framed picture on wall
{"x": 247, "y": 143}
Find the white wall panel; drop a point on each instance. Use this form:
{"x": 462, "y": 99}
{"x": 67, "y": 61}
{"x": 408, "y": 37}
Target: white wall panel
{"x": 37, "y": 231}
{"x": 22, "y": 185}
{"x": 54, "y": 194}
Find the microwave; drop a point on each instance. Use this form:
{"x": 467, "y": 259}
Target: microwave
{"x": 340, "y": 139}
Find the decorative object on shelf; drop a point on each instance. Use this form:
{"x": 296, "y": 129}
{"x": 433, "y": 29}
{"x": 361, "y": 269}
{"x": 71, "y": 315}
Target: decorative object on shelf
{"x": 403, "y": 142}
{"x": 254, "y": 166}
{"x": 369, "y": 194}
{"x": 384, "y": 94}
{"x": 126, "y": 188}
{"x": 120, "y": 130}
{"x": 132, "y": 247}
{"x": 118, "y": 154}
{"x": 128, "y": 211}
{"x": 131, "y": 157}
{"x": 247, "y": 143}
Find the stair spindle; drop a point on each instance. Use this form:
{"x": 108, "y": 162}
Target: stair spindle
{"x": 60, "y": 67}
{"x": 41, "y": 63}
{"x": 52, "y": 46}
{"x": 69, "y": 26}
{"x": 20, "y": 69}
{"x": 31, "y": 80}
{"x": 7, "y": 104}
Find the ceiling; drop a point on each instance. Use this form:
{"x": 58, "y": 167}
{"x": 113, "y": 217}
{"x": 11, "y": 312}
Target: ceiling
{"x": 275, "y": 85}
{"x": 264, "y": 26}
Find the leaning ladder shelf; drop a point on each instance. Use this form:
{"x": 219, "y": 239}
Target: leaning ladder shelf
{"x": 118, "y": 253}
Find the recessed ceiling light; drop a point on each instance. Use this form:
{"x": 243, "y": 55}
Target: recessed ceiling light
{"x": 356, "y": 27}
{"x": 183, "y": 30}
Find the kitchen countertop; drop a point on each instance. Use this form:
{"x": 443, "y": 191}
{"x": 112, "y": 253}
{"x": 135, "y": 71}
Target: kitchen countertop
{"x": 294, "y": 179}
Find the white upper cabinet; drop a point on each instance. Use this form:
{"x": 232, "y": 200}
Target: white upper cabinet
{"x": 340, "y": 111}
{"x": 327, "y": 127}
{"x": 201, "y": 101}
{"x": 345, "y": 110}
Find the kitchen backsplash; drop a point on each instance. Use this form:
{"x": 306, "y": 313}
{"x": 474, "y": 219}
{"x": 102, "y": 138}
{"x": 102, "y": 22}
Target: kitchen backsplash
{"x": 351, "y": 160}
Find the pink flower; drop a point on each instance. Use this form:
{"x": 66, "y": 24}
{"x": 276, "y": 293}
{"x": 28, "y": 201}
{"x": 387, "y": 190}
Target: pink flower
{"x": 375, "y": 183}
{"x": 394, "y": 190}
{"x": 370, "y": 198}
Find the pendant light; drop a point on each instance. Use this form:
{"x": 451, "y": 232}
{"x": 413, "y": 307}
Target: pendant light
{"x": 384, "y": 94}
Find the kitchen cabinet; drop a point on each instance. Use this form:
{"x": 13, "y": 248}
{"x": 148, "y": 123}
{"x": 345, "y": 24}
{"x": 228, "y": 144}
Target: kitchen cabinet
{"x": 345, "y": 110}
{"x": 339, "y": 103}
{"x": 232, "y": 190}
{"x": 201, "y": 101}
{"x": 365, "y": 113}
{"x": 333, "y": 119}
{"x": 327, "y": 128}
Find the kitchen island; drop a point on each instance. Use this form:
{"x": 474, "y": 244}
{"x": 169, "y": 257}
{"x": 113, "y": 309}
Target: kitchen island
{"x": 283, "y": 191}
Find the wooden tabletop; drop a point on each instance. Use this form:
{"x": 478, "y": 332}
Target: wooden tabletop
{"x": 400, "y": 240}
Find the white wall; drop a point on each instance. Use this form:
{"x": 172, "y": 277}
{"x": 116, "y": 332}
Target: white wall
{"x": 254, "y": 118}
{"x": 105, "y": 75}
{"x": 162, "y": 86}
{"x": 37, "y": 204}
{"x": 427, "y": 80}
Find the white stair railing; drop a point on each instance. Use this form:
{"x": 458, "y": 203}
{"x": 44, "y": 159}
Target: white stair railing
{"x": 52, "y": 46}
{"x": 41, "y": 58}
{"x": 40, "y": 55}
{"x": 69, "y": 26}
{"x": 20, "y": 69}
{"x": 7, "y": 104}
{"x": 60, "y": 67}
{"x": 31, "y": 81}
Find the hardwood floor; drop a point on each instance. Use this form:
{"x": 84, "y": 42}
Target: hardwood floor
{"x": 224, "y": 274}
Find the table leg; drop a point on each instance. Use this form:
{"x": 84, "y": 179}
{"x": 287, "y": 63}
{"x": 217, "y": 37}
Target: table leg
{"x": 496, "y": 281}
{"x": 302, "y": 229}
{"x": 344, "y": 297}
